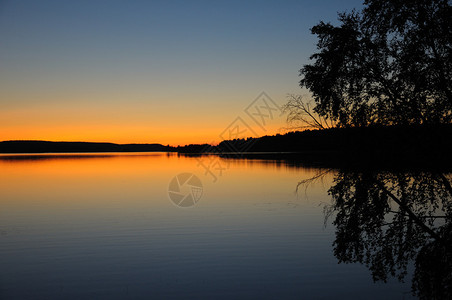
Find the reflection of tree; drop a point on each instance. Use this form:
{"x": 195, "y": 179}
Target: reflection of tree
{"x": 387, "y": 220}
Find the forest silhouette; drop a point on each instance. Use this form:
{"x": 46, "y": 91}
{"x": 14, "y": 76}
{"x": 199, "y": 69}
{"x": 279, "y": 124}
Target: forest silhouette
{"x": 388, "y": 64}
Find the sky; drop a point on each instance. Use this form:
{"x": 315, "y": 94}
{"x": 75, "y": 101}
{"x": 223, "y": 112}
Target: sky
{"x": 169, "y": 72}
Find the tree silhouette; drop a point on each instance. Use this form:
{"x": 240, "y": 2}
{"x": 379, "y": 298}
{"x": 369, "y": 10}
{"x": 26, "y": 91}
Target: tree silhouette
{"x": 387, "y": 220}
{"x": 387, "y": 64}
{"x": 300, "y": 115}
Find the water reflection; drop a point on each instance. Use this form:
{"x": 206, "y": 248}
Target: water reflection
{"x": 102, "y": 226}
{"x": 390, "y": 220}
{"x": 15, "y": 158}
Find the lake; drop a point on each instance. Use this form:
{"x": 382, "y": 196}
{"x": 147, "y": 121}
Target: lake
{"x": 115, "y": 226}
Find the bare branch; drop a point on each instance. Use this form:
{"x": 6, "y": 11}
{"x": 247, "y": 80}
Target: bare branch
{"x": 301, "y": 116}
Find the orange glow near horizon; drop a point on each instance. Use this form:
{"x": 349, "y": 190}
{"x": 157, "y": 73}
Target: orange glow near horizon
{"x": 113, "y": 134}
{"x": 121, "y": 124}
{"x": 118, "y": 134}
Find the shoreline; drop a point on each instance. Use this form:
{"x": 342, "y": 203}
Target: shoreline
{"x": 372, "y": 147}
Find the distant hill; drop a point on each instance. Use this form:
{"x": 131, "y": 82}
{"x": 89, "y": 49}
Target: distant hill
{"x": 77, "y": 147}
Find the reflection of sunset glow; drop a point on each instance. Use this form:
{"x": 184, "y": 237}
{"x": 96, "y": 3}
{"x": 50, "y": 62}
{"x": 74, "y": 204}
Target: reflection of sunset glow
{"x": 84, "y": 164}
{"x": 96, "y": 177}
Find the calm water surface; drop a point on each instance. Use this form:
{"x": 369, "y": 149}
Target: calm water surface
{"x": 102, "y": 226}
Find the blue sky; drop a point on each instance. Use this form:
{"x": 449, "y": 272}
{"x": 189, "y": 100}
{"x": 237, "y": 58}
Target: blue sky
{"x": 207, "y": 59}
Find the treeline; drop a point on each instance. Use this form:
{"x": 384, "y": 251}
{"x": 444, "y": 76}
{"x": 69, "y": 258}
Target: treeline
{"x": 428, "y": 145}
{"x": 77, "y": 147}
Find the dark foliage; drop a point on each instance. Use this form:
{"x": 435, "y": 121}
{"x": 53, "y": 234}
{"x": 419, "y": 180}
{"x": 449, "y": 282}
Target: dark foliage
{"x": 194, "y": 148}
{"x": 390, "y": 63}
{"x": 389, "y": 147}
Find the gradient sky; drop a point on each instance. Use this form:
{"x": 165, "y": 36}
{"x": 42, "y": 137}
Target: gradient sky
{"x": 171, "y": 72}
